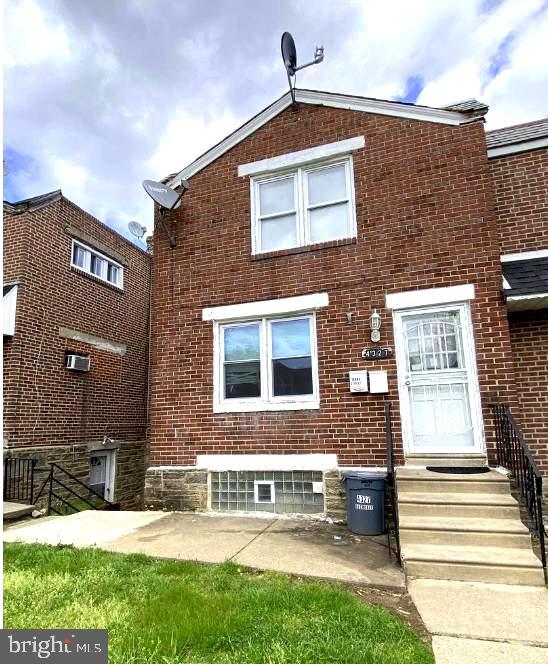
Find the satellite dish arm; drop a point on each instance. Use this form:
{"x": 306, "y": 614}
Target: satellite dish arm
{"x": 318, "y": 57}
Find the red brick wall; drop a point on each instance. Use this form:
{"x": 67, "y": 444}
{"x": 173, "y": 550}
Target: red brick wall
{"x": 424, "y": 204}
{"x": 529, "y": 335}
{"x": 44, "y": 403}
{"x": 521, "y": 200}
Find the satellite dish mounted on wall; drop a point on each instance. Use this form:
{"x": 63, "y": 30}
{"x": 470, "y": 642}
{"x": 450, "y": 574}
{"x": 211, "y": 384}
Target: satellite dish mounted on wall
{"x": 168, "y": 199}
{"x": 289, "y": 56}
{"x": 136, "y": 229}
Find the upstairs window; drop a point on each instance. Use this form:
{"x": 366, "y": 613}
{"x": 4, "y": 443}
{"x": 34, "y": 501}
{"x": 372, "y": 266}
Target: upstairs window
{"x": 92, "y": 262}
{"x": 308, "y": 205}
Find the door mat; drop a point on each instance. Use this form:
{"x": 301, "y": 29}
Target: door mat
{"x": 459, "y": 470}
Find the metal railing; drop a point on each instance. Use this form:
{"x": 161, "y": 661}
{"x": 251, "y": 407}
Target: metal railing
{"x": 85, "y": 496}
{"x": 19, "y": 479}
{"x": 393, "y": 522}
{"x": 514, "y": 455}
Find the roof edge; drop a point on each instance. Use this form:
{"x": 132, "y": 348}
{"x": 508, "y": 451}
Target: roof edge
{"x": 33, "y": 203}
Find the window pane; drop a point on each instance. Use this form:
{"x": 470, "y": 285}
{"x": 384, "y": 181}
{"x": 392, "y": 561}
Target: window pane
{"x": 291, "y": 338}
{"x": 241, "y": 342}
{"x": 79, "y": 256}
{"x": 242, "y": 380}
{"x": 97, "y": 265}
{"x": 277, "y": 196}
{"x": 292, "y": 376}
{"x": 113, "y": 274}
{"x": 326, "y": 184}
{"x": 329, "y": 222}
{"x": 278, "y": 233}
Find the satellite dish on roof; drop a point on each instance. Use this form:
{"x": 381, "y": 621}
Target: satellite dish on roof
{"x": 289, "y": 56}
{"x": 168, "y": 199}
{"x": 136, "y": 229}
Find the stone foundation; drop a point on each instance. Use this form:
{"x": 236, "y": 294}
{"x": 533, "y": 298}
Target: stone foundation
{"x": 176, "y": 489}
{"x": 129, "y": 471}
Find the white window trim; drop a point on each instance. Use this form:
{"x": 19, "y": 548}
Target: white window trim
{"x": 430, "y": 296}
{"x": 87, "y": 264}
{"x": 262, "y": 308}
{"x": 302, "y": 207}
{"x": 272, "y": 492}
{"x": 302, "y": 157}
{"x": 524, "y": 256}
{"x": 9, "y": 311}
{"x": 266, "y": 402}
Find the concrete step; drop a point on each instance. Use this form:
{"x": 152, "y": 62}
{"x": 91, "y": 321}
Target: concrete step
{"x": 448, "y": 531}
{"x": 486, "y": 564}
{"x": 12, "y": 510}
{"x": 446, "y": 460}
{"x": 491, "y": 506}
{"x": 423, "y": 481}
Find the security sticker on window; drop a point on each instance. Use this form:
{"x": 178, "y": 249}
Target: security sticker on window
{"x": 358, "y": 381}
{"x": 58, "y": 646}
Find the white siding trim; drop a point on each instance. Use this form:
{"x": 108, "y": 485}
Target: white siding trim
{"x": 9, "y": 309}
{"x": 395, "y": 109}
{"x": 301, "y": 157}
{"x": 524, "y": 256}
{"x": 222, "y": 462}
{"x": 533, "y": 296}
{"x": 430, "y": 296}
{"x": 503, "y": 150}
{"x": 285, "y": 305}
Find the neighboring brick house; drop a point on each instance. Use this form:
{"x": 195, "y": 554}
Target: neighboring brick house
{"x": 518, "y": 157}
{"x": 74, "y": 287}
{"x": 298, "y": 232}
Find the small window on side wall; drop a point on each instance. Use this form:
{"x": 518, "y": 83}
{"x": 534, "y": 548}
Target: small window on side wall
{"x": 92, "y": 262}
{"x": 310, "y": 205}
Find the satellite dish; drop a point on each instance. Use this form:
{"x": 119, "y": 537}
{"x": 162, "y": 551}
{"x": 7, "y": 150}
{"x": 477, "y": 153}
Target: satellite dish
{"x": 136, "y": 229}
{"x": 165, "y": 196}
{"x": 168, "y": 199}
{"x": 289, "y": 56}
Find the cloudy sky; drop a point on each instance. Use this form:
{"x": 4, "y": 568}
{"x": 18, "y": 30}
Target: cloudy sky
{"x": 101, "y": 94}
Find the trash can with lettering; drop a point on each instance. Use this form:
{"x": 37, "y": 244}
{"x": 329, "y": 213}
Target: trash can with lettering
{"x": 365, "y": 501}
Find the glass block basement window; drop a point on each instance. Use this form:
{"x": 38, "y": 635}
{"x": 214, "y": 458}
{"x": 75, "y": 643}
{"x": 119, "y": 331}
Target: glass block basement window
{"x": 279, "y": 492}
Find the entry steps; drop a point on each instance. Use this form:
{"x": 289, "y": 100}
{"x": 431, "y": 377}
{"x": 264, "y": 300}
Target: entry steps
{"x": 463, "y": 528}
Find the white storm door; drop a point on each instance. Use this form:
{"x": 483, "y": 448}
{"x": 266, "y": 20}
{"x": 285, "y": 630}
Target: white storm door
{"x": 437, "y": 381}
{"x": 101, "y": 475}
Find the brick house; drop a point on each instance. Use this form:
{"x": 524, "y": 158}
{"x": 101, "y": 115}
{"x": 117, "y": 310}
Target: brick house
{"x": 300, "y": 232}
{"x": 74, "y": 288}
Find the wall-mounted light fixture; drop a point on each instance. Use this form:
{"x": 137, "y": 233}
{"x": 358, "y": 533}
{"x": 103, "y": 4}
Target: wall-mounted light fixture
{"x": 350, "y": 317}
{"x": 375, "y": 326}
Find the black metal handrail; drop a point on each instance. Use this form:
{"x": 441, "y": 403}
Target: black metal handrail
{"x": 514, "y": 455}
{"x": 393, "y": 526}
{"x": 19, "y": 479}
{"x": 54, "y": 483}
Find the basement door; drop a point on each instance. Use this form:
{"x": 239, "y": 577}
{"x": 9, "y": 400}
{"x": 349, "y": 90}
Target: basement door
{"x": 437, "y": 381}
{"x": 101, "y": 473}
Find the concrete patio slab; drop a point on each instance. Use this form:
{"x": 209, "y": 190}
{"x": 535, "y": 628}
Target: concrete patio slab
{"x": 483, "y": 611}
{"x": 192, "y": 537}
{"x": 83, "y": 529}
{"x": 321, "y": 550}
{"x": 451, "y": 650}
{"x": 15, "y": 510}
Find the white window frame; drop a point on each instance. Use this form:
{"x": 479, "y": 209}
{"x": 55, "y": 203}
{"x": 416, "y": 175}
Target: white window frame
{"x": 88, "y": 252}
{"x": 267, "y": 401}
{"x": 302, "y": 206}
{"x": 272, "y": 492}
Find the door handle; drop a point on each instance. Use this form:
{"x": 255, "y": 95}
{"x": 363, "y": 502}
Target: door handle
{"x": 408, "y": 382}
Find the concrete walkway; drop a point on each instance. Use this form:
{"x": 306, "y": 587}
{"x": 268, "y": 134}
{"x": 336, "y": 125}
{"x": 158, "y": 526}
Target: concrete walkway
{"x": 302, "y": 547}
{"x": 480, "y": 623}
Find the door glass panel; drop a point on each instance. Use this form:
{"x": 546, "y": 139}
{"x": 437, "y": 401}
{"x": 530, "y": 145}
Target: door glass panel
{"x": 98, "y": 473}
{"x": 434, "y": 342}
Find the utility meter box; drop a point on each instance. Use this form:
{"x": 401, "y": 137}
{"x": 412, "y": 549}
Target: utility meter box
{"x": 358, "y": 381}
{"x": 378, "y": 382}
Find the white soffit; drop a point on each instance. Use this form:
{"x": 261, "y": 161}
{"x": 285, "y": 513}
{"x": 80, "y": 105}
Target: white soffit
{"x": 348, "y": 102}
{"x": 301, "y": 157}
{"x": 221, "y": 462}
{"x": 430, "y": 296}
{"x": 527, "y": 302}
{"x": 286, "y": 305}
{"x": 503, "y": 150}
{"x": 524, "y": 256}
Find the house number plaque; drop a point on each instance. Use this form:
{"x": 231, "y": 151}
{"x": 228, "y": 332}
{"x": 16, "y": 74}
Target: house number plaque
{"x": 376, "y": 353}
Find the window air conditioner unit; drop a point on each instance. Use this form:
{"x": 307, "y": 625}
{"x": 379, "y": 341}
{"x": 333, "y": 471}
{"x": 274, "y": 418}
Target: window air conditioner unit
{"x": 77, "y": 363}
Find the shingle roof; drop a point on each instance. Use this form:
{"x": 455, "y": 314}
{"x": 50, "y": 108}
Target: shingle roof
{"x": 517, "y": 133}
{"x": 35, "y": 202}
{"x": 468, "y": 106}
{"x": 526, "y": 277}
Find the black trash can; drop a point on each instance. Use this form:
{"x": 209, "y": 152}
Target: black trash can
{"x": 365, "y": 501}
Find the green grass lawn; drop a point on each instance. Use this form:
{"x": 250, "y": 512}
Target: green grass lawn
{"x": 166, "y": 612}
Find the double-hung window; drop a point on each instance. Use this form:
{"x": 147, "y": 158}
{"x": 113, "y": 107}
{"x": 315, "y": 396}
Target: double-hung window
{"x": 267, "y": 364}
{"x": 308, "y": 205}
{"x": 93, "y": 262}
